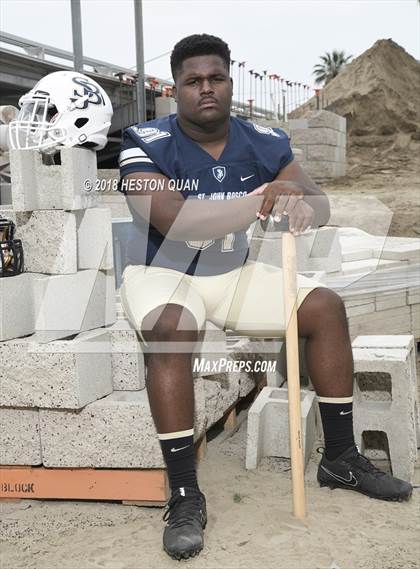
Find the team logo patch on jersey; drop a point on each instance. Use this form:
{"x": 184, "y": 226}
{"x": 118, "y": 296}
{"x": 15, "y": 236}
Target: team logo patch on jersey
{"x": 150, "y": 134}
{"x": 219, "y": 172}
{"x": 265, "y": 130}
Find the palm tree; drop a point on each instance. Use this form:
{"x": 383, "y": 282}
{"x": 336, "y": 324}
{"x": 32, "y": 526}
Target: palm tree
{"x": 332, "y": 64}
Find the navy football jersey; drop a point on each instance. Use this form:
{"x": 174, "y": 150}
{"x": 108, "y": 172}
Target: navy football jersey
{"x": 252, "y": 156}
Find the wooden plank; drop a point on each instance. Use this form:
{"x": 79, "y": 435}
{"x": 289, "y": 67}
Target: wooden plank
{"x": 83, "y": 483}
{"x": 229, "y": 420}
{"x": 201, "y": 447}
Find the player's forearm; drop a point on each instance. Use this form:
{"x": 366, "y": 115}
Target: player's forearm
{"x": 213, "y": 219}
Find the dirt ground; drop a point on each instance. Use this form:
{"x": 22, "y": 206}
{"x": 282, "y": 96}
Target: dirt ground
{"x": 381, "y": 191}
{"x": 250, "y": 525}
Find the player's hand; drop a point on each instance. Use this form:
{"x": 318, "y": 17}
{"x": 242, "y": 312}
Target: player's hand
{"x": 286, "y": 198}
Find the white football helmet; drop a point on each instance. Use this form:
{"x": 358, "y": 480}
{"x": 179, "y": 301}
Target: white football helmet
{"x": 64, "y": 108}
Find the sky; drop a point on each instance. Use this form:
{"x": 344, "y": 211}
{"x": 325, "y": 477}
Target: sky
{"x": 285, "y": 37}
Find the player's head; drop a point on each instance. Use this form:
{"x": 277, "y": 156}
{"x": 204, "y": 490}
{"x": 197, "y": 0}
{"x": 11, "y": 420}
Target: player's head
{"x": 203, "y": 89}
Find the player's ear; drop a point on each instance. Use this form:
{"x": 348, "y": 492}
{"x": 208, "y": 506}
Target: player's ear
{"x": 174, "y": 93}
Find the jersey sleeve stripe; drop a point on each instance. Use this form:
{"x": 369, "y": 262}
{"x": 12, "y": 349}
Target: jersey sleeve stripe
{"x": 131, "y": 153}
{"x": 134, "y": 161}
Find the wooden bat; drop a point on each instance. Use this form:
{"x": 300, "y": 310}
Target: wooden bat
{"x": 293, "y": 376}
{"x": 292, "y": 360}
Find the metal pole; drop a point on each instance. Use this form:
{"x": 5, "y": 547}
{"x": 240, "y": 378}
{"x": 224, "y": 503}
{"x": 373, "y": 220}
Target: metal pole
{"x": 140, "y": 90}
{"x": 76, "y": 26}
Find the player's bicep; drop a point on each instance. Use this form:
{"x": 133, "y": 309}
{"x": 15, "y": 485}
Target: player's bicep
{"x": 149, "y": 195}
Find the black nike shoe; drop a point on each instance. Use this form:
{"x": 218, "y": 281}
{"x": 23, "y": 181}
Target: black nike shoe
{"x": 353, "y": 471}
{"x": 187, "y": 517}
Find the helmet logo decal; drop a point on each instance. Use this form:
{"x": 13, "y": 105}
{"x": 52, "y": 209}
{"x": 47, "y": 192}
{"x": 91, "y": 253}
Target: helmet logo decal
{"x": 90, "y": 93}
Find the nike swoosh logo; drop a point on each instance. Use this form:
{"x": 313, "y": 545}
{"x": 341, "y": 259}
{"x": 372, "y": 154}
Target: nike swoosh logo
{"x": 177, "y": 449}
{"x": 345, "y": 412}
{"x": 351, "y": 481}
{"x": 246, "y": 177}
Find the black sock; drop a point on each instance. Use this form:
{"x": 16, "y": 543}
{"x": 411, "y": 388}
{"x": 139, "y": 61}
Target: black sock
{"x": 337, "y": 422}
{"x": 178, "y": 453}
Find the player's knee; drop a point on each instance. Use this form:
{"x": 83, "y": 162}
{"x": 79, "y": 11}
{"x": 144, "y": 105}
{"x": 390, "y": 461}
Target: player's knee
{"x": 170, "y": 323}
{"x": 324, "y": 301}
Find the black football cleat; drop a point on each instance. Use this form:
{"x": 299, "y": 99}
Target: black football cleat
{"x": 353, "y": 471}
{"x": 186, "y": 517}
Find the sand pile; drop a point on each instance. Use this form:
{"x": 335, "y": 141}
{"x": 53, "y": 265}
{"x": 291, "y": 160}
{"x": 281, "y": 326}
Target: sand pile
{"x": 377, "y": 93}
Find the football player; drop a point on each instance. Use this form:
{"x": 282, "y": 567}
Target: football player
{"x": 194, "y": 183}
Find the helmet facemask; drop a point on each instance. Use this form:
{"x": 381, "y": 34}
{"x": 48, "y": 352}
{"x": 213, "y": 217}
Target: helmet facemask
{"x": 34, "y": 126}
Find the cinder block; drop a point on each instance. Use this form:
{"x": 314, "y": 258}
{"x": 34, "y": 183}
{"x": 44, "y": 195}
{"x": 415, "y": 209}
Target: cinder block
{"x": 386, "y": 400}
{"x": 221, "y": 392}
{"x": 399, "y": 248}
{"x": 392, "y": 321}
{"x": 246, "y": 384}
{"x": 108, "y": 179}
{"x": 415, "y": 320}
{"x": 165, "y": 106}
{"x": 17, "y": 317}
{"x": 385, "y": 301}
{"x": 62, "y": 374}
{"x": 355, "y": 254}
{"x": 360, "y": 309}
{"x": 114, "y": 432}
{"x": 5, "y": 193}
{"x": 324, "y": 135}
{"x": 94, "y": 239}
{"x": 49, "y": 241}
{"x": 256, "y": 353}
{"x": 322, "y": 169}
{"x": 211, "y": 341}
{"x": 61, "y": 242}
{"x": 392, "y": 341}
{"x": 317, "y": 119}
{"x": 342, "y": 140}
{"x": 326, "y": 153}
{"x": 316, "y": 251}
{"x": 370, "y": 265}
{"x": 268, "y": 426}
{"x": 359, "y": 301}
{"x": 127, "y": 359}
{"x": 69, "y": 304}
{"x": 37, "y": 186}
{"x": 20, "y": 437}
{"x": 413, "y": 296}
{"x": 117, "y": 204}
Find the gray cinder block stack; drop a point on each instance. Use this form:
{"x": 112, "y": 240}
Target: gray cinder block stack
{"x": 55, "y": 347}
{"x": 72, "y": 375}
{"x": 321, "y": 136}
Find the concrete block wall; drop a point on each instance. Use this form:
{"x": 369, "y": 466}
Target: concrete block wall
{"x": 321, "y": 136}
